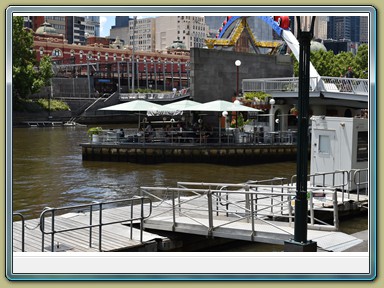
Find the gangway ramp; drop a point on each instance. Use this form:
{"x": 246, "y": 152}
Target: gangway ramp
{"x": 247, "y": 213}
{"x": 273, "y": 233}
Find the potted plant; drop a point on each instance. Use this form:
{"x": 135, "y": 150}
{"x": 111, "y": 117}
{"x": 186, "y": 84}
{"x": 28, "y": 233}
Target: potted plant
{"x": 94, "y": 133}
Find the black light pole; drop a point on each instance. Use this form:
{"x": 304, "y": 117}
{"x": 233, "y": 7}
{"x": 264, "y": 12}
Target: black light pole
{"x": 237, "y": 63}
{"x": 300, "y": 242}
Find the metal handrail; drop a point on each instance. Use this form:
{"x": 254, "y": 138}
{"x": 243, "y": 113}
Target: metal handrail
{"x": 99, "y": 225}
{"x": 359, "y": 182}
{"x": 248, "y": 209}
{"x": 22, "y": 229}
{"x": 325, "y": 84}
{"x": 343, "y": 186}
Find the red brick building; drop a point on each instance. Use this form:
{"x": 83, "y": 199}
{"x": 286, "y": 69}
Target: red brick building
{"x": 108, "y": 61}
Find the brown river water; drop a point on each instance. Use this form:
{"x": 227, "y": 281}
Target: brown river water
{"x": 48, "y": 171}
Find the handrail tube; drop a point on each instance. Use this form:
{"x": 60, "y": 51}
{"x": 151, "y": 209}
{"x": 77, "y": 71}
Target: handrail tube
{"x": 253, "y": 218}
{"x": 275, "y": 195}
{"x": 173, "y": 211}
{"x": 91, "y": 225}
{"x": 358, "y": 183}
{"x": 335, "y": 212}
{"x": 131, "y": 226}
{"x": 22, "y": 229}
{"x": 210, "y": 216}
{"x": 100, "y": 223}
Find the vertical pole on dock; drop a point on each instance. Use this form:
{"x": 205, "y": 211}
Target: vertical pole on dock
{"x": 133, "y": 53}
{"x": 300, "y": 242}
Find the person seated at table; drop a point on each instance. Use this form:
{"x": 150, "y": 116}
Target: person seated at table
{"x": 206, "y": 132}
{"x": 179, "y": 131}
{"x": 148, "y": 132}
{"x": 121, "y": 133}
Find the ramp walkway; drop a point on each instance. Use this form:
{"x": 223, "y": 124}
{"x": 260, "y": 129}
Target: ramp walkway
{"x": 250, "y": 212}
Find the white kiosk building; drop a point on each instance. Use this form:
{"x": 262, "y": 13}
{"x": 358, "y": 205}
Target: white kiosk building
{"x": 338, "y": 144}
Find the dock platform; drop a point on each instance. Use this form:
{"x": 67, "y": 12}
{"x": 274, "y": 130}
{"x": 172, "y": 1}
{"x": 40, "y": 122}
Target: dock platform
{"x": 249, "y": 212}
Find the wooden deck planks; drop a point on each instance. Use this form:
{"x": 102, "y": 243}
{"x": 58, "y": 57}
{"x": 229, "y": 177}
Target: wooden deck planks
{"x": 77, "y": 240}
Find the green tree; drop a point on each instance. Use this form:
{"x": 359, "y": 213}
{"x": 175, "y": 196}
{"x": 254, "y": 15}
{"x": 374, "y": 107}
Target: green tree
{"x": 322, "y": 61}
{"x": 341, "y": 62}
{"x": 361, "y": 62}
{"x": 28, "y": 76}
{"x": 329, "y": 64}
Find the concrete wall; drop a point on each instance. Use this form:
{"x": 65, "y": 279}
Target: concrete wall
{"x": 213, "y": 72}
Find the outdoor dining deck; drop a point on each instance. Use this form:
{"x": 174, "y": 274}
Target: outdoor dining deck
{"x": 213, "y": 137}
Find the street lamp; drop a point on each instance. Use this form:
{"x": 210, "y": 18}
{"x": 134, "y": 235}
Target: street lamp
{"x": 237, "y": 63}
{"x": 271, "y": 114}
{"x": 300, "y": 242}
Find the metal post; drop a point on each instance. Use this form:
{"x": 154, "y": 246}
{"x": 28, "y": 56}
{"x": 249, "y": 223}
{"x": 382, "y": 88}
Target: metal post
{"x": 133, "y": 53}
{"x": 172, "y": 74}
{"x": 179, "y": 67}
{"x": 89, "y": 78}
{"x": 155, "y": 74}
{"x": 118, "y": 78}
{"x": 49, "y": 107}
{"x": 237, "y": 81}
{"x": 164, "y": 82}
{"x": 146, "y": 73}
{"x": 300, "y": 242}
{"x": 237, "y": 63}
{"x": 137, "y": 73}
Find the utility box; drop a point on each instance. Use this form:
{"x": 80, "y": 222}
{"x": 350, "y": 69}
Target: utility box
{"x": 338, "y": 143}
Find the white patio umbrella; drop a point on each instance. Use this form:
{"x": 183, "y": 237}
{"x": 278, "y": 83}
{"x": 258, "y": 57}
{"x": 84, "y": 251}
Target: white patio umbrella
{"x": 137, "y": 106}
{"x": 222, "y": 105}
{"x": 183, "y": 105}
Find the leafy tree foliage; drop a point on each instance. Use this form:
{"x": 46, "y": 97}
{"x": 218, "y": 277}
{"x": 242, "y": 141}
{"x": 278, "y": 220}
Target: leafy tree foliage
{"x": 329, "y": 64}
{"x": 28, "y": 76}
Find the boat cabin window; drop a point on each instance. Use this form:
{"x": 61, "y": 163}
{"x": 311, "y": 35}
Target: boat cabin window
{"x": 362, "y": 146}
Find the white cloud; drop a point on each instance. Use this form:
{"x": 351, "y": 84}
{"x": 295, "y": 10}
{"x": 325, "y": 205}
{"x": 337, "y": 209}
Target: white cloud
{"x": 103, "y": 25}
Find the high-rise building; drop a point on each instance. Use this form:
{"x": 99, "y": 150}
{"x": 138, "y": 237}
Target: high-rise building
{"x": 75, "y": 29}
{"x": 72, "y": 27}
{"x": 353, "y": 28}
{"x": 320, "y": 29}
{"x": 57, "y": 22}
{"x": 92, "y": 26}
{"x": 141, "y": 34}
{"x": 339, "y": 27}
{"x": 191, "y": 30}
{"x": 121, "y": 21}
{"x": 363, "y": 29}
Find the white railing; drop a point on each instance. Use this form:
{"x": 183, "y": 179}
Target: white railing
{"x": 245, "y": 203}
{"x": 154, "y": 96}
{"x": 326, "y": 84}
{"x": 344, "y": 85}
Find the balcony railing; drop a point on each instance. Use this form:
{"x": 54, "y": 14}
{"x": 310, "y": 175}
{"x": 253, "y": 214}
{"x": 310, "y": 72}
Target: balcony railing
{"x": 290, "y": 84}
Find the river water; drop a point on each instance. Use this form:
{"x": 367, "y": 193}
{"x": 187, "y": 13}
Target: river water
{"x": 48, "y": 171}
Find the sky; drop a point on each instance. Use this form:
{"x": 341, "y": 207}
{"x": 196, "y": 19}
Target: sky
{"x": 106, "y": 22}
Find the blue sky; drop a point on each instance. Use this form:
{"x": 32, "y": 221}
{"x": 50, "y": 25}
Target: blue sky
{"x": 106, "y": 22}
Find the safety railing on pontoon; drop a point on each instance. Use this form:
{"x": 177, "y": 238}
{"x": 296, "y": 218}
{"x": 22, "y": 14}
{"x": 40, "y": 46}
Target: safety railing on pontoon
{"x": 50, "y": 228}
{"x": 247, "y": 203}
{"x": 360, "y": 181}
{"x": 17, "y": 214}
